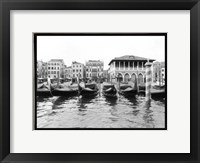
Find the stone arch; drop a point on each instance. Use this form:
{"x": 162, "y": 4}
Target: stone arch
{"x": 133, "y": 77}
{"x": 140, "y": 78}
{"x": 126, "y": 77}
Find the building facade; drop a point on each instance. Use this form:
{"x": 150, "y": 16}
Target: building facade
{"x": 94, "y": 69}
{"x": 44, "y": 71}
{"x": 158, "y": 70}
{"x": 163, "y": 74}
{"x": 68, "y": 72}
{"x": 55, "y": 68}
{"x": 105, "y": 75}
{"x": 39, "y": 69}
{"x": 77, "y": 70}
{"x": 128, "y": 68}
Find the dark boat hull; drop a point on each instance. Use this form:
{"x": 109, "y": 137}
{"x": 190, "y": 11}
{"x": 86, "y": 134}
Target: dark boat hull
{"x": 44, "y": 90}
{"x": 154, "y": 94}
{"x": 109, "y": 91}
{"x": 130, "y": 93}
{"x": 67, "y": 93}
{"x": 160, "y": 94}
{"x": 109, "y": 95}
{"x": 93, "y": 90}
{"x": 45, "y": 93}
{"x": 88, "y": 93}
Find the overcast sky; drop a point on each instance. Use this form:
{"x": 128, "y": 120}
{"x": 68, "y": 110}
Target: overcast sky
{"x": 104, "y": 48}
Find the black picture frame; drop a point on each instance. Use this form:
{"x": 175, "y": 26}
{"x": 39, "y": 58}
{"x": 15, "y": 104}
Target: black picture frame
{"x": 7, "y": 5}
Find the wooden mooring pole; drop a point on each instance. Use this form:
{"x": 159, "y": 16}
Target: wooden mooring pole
{"x": 148, "y": 84}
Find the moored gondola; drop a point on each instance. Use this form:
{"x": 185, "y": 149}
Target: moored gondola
{"x": 63, "y": 90}
{"x": 89, "y": 90}
{"x": 128, "y": 90}
{"x": 109, "y": 91}
{"x": 156, "y": 91}
{"x": 44, "y": 90}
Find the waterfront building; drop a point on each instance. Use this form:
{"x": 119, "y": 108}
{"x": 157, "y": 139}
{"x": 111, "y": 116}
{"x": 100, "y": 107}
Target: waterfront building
{"x": 55, "y": 68}
{"x": 94, "y": 69}
{"x": 77, "y": 70}
{"x": 44, "y": 70}
{"x": 39, "y": 69}
{"x": 128, "y": 68}
{"x": 158, "y": 70}
{"x": 105, "y": 75}
{"x": 163, "y": 73}
{"x": 68, "y": 72}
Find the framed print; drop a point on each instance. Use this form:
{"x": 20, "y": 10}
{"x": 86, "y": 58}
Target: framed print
{"x": 80, "y": 90}
{"x": 99, "y": 81}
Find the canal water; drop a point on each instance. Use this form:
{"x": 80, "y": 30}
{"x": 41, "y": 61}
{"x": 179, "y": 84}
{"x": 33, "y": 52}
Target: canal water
{"x": 99, "y": 112}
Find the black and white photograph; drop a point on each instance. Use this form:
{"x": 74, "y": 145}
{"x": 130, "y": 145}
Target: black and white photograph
{"x": 100, "y": 81}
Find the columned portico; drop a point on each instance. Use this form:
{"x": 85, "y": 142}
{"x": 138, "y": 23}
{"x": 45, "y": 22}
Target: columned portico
{"x": 130, "y": 68}
{"x": 142, "y": 66}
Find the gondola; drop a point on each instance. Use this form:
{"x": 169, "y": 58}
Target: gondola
{"x": 44, "y": 90}
{"x": 63, "y": 90}
{"x": 89, "y": 90}
{"x": 156, "y": 91}
{"x": 109, "y": 91}
{"x": 128, "y": 90}
{"x": 141, "y": 89}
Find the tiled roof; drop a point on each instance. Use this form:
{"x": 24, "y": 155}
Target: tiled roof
{"x": 60, "y": 60}
{"x": 69, "y": 67}
{"x": 130, "y": 58}
{"x": 76, "y": 62}
{"x": 94, "y": 61}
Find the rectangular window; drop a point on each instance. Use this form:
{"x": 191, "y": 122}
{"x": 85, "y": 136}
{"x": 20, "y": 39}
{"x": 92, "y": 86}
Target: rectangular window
{"x": 140, "y": 65}
{"x": 131, "y": 65}
{"x": 135, "y": 65}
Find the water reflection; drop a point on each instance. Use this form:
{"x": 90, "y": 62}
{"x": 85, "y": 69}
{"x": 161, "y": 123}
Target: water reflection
{"x": 148, "y": 118}
{"x": 84, "y": 101}
{"x": 99, "y": 112}
{"x": 111, "y": 101}
{"x": 59, "y": 101}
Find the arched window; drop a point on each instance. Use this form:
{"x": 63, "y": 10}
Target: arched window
{"x": 133, "y": 78}
{"x": 140, "y": 79}
{"x": 126, "y": 77}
